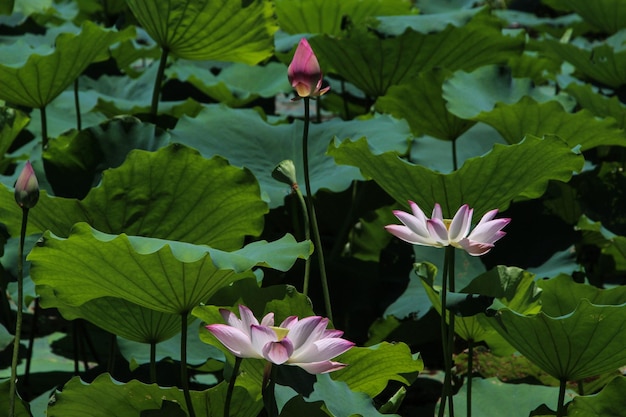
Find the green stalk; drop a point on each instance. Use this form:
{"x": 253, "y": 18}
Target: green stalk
{"x": 317, "y": 241}
{"x": 31, "y": 341}
{"x": 454, "y": 156}
{"x": 44, "y": 127}
{"x": 451, "y": 328}
{"x": 18, "y": 323}
{"x": 184, "y": 377}
{"x": 112, "y": 352}
{"x": 156, "y": 92}
{"x": 77, "y": 105}
{"x": 153, "y": 371}
{"x": 269, "y": 394}
{"x": 470, "y": 369}
{"x": 307, "y": 236}
{"x": 444, "y": 337}
{"x": 560, "y": 411}
{"x": 581, "y": 388}
{"x": 231, "y": 386}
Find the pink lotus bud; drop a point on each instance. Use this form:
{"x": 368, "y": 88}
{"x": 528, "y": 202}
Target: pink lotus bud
{"x": 304, "y": 72}
{"x": 27, "y": 187}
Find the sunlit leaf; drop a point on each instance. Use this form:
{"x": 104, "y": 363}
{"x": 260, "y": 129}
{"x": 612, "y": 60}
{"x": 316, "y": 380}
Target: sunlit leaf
{"x": 173, "y": 193}
{"x": 118, "y": 317}
{"x": 209, "y": 30}
{"x": 568, "y": 344}
{"x": 21, "y": 406}
{"x": 79, "y": 399}
{"x": 246, "y": 139}
{"x": 370, "y": 369}
{"x": 374, "y": 64}
{"x": 485, "y": 183}
{"x": 340, "y": 400}
{"x": 167, "y": 276}
{"x": 36, "y": 81}
{"x": 608, "y": 16}
{"x": 527, "y": 117}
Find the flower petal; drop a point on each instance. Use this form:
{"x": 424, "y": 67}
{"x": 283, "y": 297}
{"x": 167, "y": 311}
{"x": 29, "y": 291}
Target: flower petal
{"x": 461, "y": 223}
{"x": 268, "y": 320}
{"x": 235, "y": 340}
{"x": 307, "y": 330}
{"x": 475, "y": 248}
{"x": 261, "y": 336}
{"x": 488, "y": 231}
{"x": 289, "y": 322}
{"x": 321, "y": 350}
{"x": 320, "y": 367}
{"x": 415, "y": 224}
{"x": 247, "y": 317}
{"x": 438, "y": 231}
{"x": 437, "y": 214}
{"x": 404, "y": 233}
{"x": 278, "y": 352}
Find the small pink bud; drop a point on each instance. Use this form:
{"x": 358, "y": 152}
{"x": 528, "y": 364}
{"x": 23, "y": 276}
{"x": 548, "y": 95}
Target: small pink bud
{"x": 305, "y": 74}
{"x": 27, "y": 187}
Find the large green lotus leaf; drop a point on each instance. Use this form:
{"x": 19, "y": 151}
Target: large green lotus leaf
{"x": 414, "y": 301}
{"x": 117, "y": 316}
{"x": 609, "y": 16}
{"x": 131, "y": 51}
{"x": 512, "y": 287}
{"x": 166, "y": 276}
{"x": 601, "y": 63}
{"x": 246, "y": 139}
{"x": 491, "y": 181}
{"x": 371, "y": 368}
{"x": 236, "y": 84}
{"x": 492, "y": 397}
{"x": 424, "y": 93}
{"x": 425, "y": 23}
{"x": 598, "y": 104}
{"x": 173, "y": 193}
{"x": 79, "y": 399}
{"x": 582, "y": 129}
{"x": 327, "y": 16}
{"x": 586, "y": 342}
{"x": 282, "y": 300}
{"x": 610, "y": 402}
{"x": 7, "y": 7}
{"x": 561, "y": 295}
{"x": 118, "y": 95}
{"x": 77, "y": 159}
{"x": 340, "y": 400}
{"x": 210, "y": 30}
{"x": 12, "y": 122}
{"x": 42, "y": 77}
{"x": 470, "y": 93}
{"x": 374, "y": 64}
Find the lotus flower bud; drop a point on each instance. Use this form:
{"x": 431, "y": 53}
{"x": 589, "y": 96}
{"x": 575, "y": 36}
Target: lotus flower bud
{"x": 27, "y": 187}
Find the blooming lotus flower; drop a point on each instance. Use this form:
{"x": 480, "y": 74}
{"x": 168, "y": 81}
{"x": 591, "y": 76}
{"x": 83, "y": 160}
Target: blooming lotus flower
{"x": 439, "y": 232}
{"x": 305, "y": 343}
{"x": 27, "y": 187}
{"x": 304, "y": 72}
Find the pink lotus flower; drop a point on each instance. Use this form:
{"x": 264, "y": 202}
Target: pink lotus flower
{"x": 305, "y": 74}
{"x": 305, "y": 343}
{"x": 27, "y": 187}
{"x": 439, "y": 232}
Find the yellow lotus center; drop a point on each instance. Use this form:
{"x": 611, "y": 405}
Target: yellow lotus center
{"x": 281, "y": 332}
{"x": 447, "y": 223}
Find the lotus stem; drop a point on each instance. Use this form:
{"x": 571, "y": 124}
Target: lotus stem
{"x": 44, "y": 127}
{"x": 111, "y": 361}
{"x": 231, "y": 386}
{"x": 153, "y": 370}
{"x": 560, "y": 411}
{"x": 451, "y": 286}
{"x": 184, "y": 377}
{"x": 455, "y": 164}
{"x": 156, "y": 92}
{"x": 581, "y": 388}
{"x": 444, "y": 337}
{"x": 470, "y": 371}
{"x": 31, "y": 341}
{"x": 77, "y": 105}
{"x": 18, "y": 322}
{"x": 269, "y": 395}
{"x": 307, "y": 236}
{"x": 317, "y": 241}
